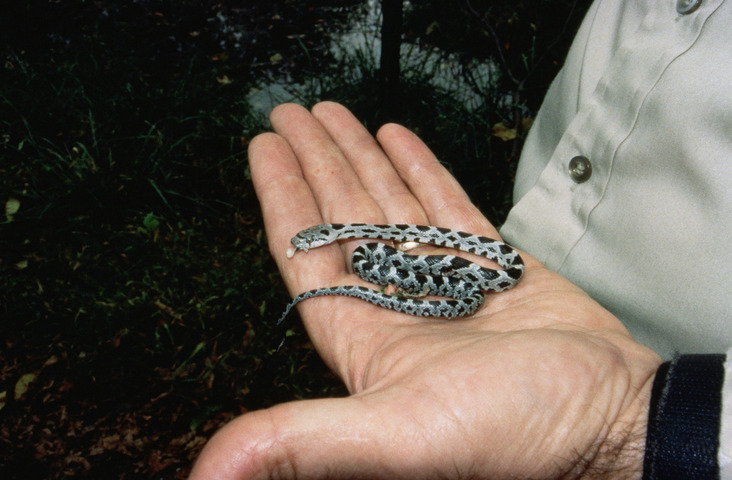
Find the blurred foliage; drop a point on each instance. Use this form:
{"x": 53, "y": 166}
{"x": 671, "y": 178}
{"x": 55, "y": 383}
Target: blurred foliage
{"x": 526, "y": 39}
{"x": 525, "y": 42}
{"x": 165, "y": 35}
{"x": 135, "y": 280}
{"x": 504, "y": 54}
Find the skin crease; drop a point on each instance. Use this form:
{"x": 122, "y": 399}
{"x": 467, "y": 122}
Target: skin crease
{"x": 541, "y": 382}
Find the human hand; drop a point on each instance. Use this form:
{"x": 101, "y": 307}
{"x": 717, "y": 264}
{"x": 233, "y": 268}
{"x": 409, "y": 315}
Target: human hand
{"x": 541, "y": 382}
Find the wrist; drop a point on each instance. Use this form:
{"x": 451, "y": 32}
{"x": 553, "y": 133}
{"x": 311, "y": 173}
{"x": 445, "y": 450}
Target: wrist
{"x": 620, "y": 455}
{"x": 676, "y": 437}
{"x": 619, "y": 452}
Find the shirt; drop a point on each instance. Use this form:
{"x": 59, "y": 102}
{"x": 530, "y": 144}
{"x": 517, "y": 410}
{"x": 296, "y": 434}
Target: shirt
{"x": 625, "y": 181}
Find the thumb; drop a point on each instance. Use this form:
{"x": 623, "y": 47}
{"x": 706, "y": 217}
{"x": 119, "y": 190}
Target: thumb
{"x": 328, "y": 438}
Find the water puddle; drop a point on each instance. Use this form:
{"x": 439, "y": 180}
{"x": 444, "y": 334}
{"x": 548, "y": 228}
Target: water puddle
{"x": 362, "y": 41}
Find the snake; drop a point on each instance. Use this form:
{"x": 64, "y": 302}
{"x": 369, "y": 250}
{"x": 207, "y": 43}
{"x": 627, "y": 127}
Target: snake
{"x": 463, "y": 282}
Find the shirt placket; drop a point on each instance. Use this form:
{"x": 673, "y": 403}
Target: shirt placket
{"x": 577, "y": 176}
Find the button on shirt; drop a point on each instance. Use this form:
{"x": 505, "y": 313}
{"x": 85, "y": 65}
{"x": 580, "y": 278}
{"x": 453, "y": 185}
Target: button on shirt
{"x": 625, "y": 181}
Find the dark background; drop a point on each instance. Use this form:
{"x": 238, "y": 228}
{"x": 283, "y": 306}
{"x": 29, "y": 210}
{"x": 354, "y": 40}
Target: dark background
{"x": 137, "y": 298}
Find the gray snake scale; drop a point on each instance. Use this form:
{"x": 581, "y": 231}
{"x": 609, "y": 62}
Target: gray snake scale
{"x": 415, "y": 275}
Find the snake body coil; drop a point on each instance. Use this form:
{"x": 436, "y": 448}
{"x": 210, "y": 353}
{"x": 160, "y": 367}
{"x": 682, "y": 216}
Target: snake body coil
{"x": 415, "y": 275}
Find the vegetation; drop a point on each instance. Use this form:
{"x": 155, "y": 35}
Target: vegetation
{"x": 137, "y": 297}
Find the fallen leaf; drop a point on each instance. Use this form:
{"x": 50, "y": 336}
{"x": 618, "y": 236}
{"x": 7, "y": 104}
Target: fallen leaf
{"x": 225, "y": 80}
{"x": 110, "y": 442}
{"x": 65, "y": 386}
{"x": 503, "y": 132}
{"x": 22, "y": 385}
{"x": 11, "y": 208}
{"x": 52, "y": 360}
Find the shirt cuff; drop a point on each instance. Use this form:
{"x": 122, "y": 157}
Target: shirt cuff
{"x": 725, "y": 442}
{"x": 684, "y": 419}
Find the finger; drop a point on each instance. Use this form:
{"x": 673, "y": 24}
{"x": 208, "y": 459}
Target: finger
{"x": 373, "y": 168}
{"x": 286, "y": 187}
{"x": 439, "y": 193}
{"x": 336, "y": 187}
{"x": 329, "y": 438}
{"x": 288, "y": 206}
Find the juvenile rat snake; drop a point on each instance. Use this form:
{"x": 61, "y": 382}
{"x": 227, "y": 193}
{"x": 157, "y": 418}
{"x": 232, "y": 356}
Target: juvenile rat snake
{"x": 415, "y": 275}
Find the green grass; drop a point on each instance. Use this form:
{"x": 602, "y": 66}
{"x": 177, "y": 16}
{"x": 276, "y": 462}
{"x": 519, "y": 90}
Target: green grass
{"x": 136, "y": 282}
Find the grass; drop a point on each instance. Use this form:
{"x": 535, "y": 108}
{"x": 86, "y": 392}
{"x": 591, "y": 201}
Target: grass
{"x": 137, "y": 296}
{"x": 135, "y": 279}
{"x": 137, "y": 293}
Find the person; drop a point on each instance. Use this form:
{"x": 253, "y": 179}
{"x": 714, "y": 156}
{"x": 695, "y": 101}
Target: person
{"x": 623, "y": 188}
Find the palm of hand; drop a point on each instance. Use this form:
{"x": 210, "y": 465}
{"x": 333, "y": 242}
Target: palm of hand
{"x": 539, "y": 383}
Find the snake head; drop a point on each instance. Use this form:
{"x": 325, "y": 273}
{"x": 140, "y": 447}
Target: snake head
{"x": 312, "y": 237}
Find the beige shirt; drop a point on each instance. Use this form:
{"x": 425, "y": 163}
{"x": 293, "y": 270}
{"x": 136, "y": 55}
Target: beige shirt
{"x": 642, "y": 218}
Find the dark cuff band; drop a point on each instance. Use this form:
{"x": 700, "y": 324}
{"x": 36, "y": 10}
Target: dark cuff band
{"x": 684, "y": 419}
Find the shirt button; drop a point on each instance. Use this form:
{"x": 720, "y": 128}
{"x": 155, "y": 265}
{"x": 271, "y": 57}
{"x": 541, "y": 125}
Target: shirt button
{"x": 580, "y": 169}
{"x": 684, "y": 7}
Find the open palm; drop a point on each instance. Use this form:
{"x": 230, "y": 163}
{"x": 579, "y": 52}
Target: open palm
{"x": 541, "y": 382}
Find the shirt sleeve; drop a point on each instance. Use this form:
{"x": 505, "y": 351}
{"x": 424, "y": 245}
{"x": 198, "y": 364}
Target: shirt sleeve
{"x": 625, "y": 181}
